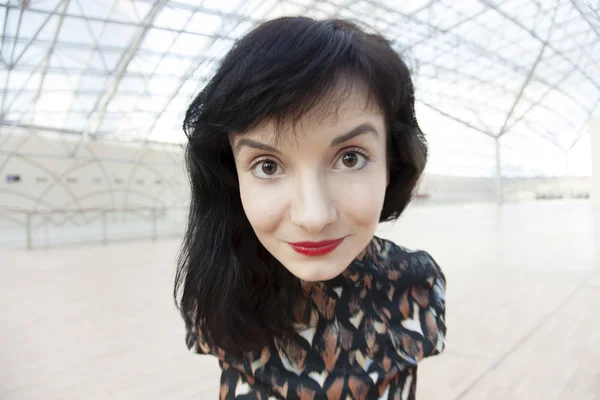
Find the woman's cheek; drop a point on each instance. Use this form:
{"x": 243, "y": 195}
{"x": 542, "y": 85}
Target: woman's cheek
{"x": 263, "y": 202}
{"x": 360, "y": 195}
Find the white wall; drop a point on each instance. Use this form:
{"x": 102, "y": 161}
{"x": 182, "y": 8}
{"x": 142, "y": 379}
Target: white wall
{"x": 108, "y": 176}
{"x": 440, "y": 189}
{"x": 62, "y": 199}
{"x": 102, "y": 175}
{"x": 595, "y": 148}
{"x": 119, "y": 175}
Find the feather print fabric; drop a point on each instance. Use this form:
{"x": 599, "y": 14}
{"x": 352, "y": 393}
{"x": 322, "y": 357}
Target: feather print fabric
{"x": 368, "y": 329}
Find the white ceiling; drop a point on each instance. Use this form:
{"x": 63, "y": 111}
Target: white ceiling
{"x": 526, "y": 71}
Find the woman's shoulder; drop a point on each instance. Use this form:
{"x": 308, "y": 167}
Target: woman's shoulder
{"x": 411, "y": 290}
{"x": 385, "y": 260}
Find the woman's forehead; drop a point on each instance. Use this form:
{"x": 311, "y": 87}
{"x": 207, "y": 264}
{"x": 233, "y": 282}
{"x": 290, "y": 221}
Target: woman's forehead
{"x": 333, "y": 112}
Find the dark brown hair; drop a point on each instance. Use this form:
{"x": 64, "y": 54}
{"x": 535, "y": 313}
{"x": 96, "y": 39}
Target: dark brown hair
{"x": 232, "y": 289}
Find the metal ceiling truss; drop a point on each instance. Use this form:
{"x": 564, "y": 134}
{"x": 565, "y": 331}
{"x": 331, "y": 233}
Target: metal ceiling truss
{"x": 447, "y": 43}
{"x": 95, "y": 117}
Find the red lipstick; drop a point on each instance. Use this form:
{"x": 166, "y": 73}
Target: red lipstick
{"x": 316, "y": 248}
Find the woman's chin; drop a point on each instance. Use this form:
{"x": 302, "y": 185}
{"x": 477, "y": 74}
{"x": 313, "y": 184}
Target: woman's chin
{"x": 312, "y": 271}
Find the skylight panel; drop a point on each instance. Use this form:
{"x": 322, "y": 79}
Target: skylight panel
{"x": 172, "y": 18}
{"x": 162, "y": 85}
{"x": 74, "y": 30}
{"x": 92, "y": 82}
{"x": 144, "y": 63}
{"x": 225, "y": 6}
{"x": 117, "y": 35}
{"x": 206, "y": 24}
{"x": 190, "y": 45}
{"x": 174, "y": 66}
{"x": 100, "y": 9}
{"x": 158, "y": 40}
{"x": 406, "y": 7}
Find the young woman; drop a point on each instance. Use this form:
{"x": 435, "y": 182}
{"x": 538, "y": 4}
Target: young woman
{"x": 303, "y": 141}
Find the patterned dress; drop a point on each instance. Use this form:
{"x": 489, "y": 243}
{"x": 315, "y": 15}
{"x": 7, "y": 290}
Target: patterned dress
{"x": 369, "y": 327}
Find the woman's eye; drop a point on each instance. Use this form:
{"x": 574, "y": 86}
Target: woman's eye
{"x": 351, "y": 160}
{"x": 266, "y": 169}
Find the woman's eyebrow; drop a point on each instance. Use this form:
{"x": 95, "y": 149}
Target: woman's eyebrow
{"x": 359, "y": 130}
{"x": 254, "y": 144}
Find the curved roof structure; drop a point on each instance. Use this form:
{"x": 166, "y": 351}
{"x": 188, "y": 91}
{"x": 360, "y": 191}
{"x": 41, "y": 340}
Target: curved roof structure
{"x": 527, "y": 72}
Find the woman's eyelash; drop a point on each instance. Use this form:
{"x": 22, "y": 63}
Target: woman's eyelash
{"x": 358, "y": 150}
{"x": 341, "y": 153}
{"x": 257, "y": 161}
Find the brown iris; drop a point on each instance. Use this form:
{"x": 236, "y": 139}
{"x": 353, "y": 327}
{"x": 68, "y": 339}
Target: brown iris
{"x": 350, "y": 159}
{"x": 269, "y": 167}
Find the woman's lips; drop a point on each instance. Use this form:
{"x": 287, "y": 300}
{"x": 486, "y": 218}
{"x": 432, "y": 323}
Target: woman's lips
{"x": 316, "y": 248}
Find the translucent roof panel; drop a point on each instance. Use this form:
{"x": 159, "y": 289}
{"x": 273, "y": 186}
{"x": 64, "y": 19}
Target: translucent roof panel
{"x": 522, "y": 71}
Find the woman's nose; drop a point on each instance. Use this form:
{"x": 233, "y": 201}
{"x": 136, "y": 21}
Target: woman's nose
{"x": 313, "y": 207}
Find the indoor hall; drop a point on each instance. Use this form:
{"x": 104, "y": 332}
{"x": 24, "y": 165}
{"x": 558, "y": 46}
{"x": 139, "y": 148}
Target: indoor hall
{"x": 95, "y": 194}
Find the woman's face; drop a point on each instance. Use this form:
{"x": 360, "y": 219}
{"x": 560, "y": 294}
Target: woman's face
{"x": 325, "y": 181}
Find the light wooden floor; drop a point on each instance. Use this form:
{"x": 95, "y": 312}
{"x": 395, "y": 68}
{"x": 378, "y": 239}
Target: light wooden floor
{"x": 523, "y": 312}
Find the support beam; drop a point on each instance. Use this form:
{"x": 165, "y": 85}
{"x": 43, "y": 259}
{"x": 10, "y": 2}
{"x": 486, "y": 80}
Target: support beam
{"x": 195, "y": 65}
{"x": 568, "y": 174}
{"x": 6, "y": 135}
{"x": 97, "y": 73}
{"x": 584, "y": 16}
{"x": 527, "y": 79}
{"x": 151, "y": 75}
{"x": 142, "y": 24}
{"x": 77, "y": 133}
{"x": 42, "y": 26}
{"x": 550, "y": 89}
{"x": 95, "y": 48}
{"x": 458, "y": 120}
{"x": 101, "y": 105}
{"x": 4, "y": 36}
{"x": 594, "y": 125}
{"x": 581, "y": 132}
{"x": 535, "y": 35}
{"x": 10, "y": 64}
{"x": 499, "y": 183}
{"x": 13, "y": 62}
{"x": 479, "y": 49}
{"x": 64, "y": 4}
{"x": 115, "y": 49}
